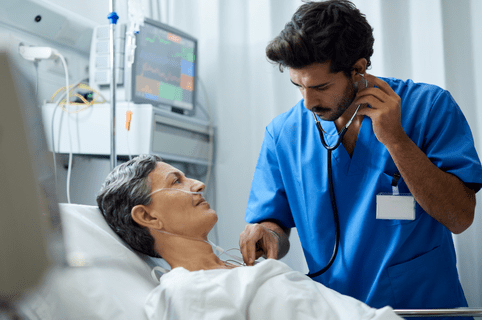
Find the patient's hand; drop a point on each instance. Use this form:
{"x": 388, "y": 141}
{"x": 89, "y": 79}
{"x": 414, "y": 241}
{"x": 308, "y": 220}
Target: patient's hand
{"x": 258, "y": 241}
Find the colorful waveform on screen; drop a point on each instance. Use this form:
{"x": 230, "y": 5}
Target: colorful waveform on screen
{"x": 167, "y": 77}
{"x": 174, "y": 38}
{"x": 186, "y": 81}
{"x": 186, "y": 53}
{"x": 153, "y": 89}
{"x": 158, "y": 37}
{"x": 165, "y": 67}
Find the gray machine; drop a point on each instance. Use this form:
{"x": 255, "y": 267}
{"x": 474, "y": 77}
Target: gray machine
{"x": 155, "y": 82}
{"x": 152, "y": 130}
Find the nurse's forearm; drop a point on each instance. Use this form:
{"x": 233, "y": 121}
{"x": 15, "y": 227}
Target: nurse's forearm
{"x": 283, "y": 234}
{"x": 442, "y": 195}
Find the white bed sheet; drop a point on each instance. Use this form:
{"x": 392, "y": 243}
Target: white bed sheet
{"x": 269, "y": 290}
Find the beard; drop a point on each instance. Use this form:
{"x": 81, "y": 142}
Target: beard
{"x": 346, "y": 99}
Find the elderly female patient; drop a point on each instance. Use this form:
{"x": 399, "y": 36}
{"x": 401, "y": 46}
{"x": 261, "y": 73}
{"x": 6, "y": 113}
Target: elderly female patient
{"x": 159, "y": 212}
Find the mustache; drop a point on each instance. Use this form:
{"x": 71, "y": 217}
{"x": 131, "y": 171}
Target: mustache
{"x": 319, "y": 109}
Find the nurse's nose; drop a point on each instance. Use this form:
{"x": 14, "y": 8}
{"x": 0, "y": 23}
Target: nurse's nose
{"x": 310, "y": 98}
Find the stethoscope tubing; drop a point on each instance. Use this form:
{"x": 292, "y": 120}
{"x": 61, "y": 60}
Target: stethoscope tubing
{"x": 331, "y": 188}
{"x": 341, "y": 134}
{"x": 335, "y": 217}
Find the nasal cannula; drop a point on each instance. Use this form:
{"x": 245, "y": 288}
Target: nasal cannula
{"x": 220, "y": 251}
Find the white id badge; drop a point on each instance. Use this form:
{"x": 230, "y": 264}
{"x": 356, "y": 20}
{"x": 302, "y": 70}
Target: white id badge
{"x": 395, "y": 207}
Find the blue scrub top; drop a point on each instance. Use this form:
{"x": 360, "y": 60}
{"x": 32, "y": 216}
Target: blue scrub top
{"x": 404, "y": 264}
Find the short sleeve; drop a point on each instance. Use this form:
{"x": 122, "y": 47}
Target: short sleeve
{"x": 267, "y": 199}
{"x": 449, "y": 143}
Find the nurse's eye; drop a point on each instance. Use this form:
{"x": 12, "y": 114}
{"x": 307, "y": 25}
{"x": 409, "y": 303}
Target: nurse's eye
{"x": 321, "y": 89}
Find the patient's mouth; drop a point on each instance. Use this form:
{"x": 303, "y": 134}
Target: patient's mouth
{"x": 202, "y": 201}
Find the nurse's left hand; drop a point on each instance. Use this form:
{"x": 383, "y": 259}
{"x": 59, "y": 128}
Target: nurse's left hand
{"x": 383, "y": 110}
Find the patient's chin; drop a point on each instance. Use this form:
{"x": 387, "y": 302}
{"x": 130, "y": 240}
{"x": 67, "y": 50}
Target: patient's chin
{"x": 214, "y": 218}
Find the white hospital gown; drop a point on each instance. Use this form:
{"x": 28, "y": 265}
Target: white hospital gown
{"x": 269, "y": 290}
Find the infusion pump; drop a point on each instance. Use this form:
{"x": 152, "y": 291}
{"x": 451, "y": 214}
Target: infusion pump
{"x": 152, "y": 130}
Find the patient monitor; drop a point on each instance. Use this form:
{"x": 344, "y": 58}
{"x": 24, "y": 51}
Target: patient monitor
{"x": 157, "y": 87}
{"x": 158, "y": 68}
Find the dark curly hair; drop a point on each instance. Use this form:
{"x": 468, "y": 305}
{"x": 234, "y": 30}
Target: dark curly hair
{"x": 125, "y": 187}
{"x": 333, "y": 30}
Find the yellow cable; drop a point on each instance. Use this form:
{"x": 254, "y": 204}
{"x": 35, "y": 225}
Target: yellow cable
{"x": 86, "y": 104}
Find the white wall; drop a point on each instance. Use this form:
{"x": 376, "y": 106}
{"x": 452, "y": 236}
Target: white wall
{"x": 463, "y": 49}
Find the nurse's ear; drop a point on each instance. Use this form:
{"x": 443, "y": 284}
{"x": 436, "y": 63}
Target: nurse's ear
{"x": 360, "y": 67}
{"x": 146, "y": 217}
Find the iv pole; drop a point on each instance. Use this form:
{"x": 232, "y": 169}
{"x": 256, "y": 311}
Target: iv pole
{"x": 113, "y": 17}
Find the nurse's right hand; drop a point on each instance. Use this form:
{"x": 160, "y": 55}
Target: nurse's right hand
{"x": 258, "y": 241}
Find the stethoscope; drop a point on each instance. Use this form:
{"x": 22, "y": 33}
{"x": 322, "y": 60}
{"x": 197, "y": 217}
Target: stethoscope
{"x": 341, "y": 134}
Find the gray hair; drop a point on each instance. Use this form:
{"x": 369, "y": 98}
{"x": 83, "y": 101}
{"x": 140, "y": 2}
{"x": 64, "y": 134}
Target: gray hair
{"x": 125, "y": 187}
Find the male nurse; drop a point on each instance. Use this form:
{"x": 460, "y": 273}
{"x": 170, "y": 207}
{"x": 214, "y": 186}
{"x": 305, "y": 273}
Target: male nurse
{"x": 407, "y": 140}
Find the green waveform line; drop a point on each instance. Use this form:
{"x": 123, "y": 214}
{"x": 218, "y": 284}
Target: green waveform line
{"x": 186, "y": 54}
{"x": 151, "y": 40}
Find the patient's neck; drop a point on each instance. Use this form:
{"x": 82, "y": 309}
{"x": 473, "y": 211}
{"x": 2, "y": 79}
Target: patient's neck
{"x": 190, "y": 254}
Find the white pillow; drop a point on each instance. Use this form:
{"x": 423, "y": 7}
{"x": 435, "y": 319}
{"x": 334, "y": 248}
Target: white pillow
{"x": 108, "y": 281}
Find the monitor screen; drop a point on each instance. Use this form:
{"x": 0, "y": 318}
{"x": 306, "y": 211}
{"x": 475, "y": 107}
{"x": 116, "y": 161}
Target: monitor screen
{"x": 164, "y": 68}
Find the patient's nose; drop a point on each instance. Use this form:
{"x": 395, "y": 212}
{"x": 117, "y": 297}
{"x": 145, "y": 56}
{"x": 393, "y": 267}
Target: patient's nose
{"x": 197, "y": 186}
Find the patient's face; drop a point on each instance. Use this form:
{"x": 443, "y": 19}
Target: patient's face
{"x": 180, "y": 212}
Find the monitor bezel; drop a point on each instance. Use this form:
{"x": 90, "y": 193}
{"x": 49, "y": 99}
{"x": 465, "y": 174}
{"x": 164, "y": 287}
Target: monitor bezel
{"x": 140, "y": 100}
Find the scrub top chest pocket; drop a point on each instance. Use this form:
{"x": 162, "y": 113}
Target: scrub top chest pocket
{"x": 395, "y": 206}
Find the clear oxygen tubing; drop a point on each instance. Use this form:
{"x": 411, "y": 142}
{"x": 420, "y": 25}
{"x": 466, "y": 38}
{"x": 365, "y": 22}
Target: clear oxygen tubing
{"x": 217, "y": 249}
{"x": 181, "y": 190}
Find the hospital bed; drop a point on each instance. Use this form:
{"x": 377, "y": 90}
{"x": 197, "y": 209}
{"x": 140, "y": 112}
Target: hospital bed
{"x": 105, "y": 278}
{"x": 108, "y": 280}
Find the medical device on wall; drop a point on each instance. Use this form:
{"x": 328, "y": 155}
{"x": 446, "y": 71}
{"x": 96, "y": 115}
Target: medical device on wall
{"x": 162, "y": 73}
{"x": 151, "y": 130}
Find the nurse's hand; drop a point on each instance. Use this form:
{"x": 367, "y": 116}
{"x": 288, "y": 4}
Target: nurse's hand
{"x": 384, "y": 110}
{"x": 258, "y": 241}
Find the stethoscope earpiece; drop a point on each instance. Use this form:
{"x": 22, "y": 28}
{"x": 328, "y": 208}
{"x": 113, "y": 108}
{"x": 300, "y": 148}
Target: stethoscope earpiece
{"x": 363, "y": 76}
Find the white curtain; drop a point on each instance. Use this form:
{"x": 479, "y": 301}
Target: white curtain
{"x": 434, "y": 41}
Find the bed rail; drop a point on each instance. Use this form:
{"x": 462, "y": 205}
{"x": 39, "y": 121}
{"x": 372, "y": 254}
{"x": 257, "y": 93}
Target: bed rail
{"x": 457, "y": 312}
